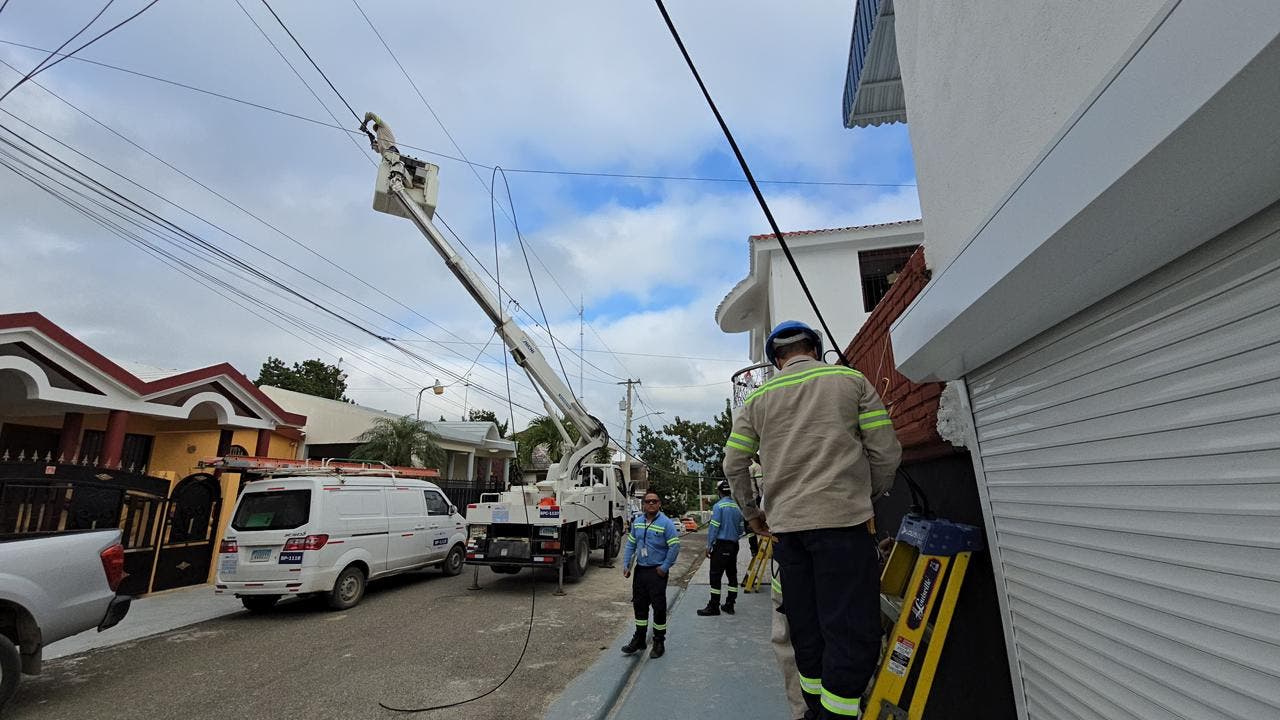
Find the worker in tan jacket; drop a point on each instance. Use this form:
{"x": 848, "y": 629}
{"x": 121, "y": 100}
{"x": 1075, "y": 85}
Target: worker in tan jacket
{"x": 827, "y": 447}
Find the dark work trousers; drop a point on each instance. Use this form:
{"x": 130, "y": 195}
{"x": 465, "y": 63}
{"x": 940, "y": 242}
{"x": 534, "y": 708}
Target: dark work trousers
{"x": 724, "y": 561}
{"x": 832, "y": 583}
{"x": 649, "y": 589}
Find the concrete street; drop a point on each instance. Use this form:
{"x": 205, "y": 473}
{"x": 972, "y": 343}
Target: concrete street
{"x": 416, "y": 640}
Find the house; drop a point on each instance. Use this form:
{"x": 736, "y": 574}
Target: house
{"x": 1100, "y": 189}
{"x": 477, "y": 454}
{"x": 770, "y": 292}
{"x": 89, "y": 442}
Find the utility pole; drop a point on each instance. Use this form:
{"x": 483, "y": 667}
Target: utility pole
{"x": 626, "y": 460}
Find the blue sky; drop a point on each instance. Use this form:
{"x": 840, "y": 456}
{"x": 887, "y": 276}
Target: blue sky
{"x": 561, "y": 86}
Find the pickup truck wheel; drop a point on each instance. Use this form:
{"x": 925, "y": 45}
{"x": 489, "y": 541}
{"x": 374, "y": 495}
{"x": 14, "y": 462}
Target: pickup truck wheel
{"x": 452, "y": 564}
{"x": 10, "y": 668}
{"x": 348, "y": 589}
{"x": 578, "y": 564}
{"x": 259, "y": 603}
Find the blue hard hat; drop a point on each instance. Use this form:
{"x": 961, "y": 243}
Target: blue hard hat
{"x": 789, "y": 328}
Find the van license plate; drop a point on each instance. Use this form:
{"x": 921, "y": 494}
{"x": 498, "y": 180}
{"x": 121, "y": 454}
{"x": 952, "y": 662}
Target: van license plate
{"x": 260, "y": 555}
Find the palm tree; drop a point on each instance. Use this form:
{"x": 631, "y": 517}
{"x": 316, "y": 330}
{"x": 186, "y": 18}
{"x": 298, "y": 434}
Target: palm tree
{"x": 541, "y": 430}
{"x": 400, "y": 441}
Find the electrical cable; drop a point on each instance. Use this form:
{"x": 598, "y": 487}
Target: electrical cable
{"x": 746, "y": 170}
{"x": 31, "y": 73}
{"x": 297, "y": 74}
{"x": 454, "y": 158}
{"x": 533, "y": 580}
{"x": 236, "y": 262}
{"x": 537, "y": 295}
{"x": 238, "y": 238}
{"x": 101, "y": 35}
{"x": 312, "y": 61}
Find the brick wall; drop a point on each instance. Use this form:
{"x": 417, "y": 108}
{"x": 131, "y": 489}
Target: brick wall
{"x": 913, "y": 407}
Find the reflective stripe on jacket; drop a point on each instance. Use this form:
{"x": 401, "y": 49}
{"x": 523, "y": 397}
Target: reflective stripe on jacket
{"x": 660, "y": 536}
{"x": 826, "y": 445}
{"x": 726, "y": 522}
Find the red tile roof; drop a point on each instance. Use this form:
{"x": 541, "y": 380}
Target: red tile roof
{"x": 797, "y": 233}
{"x": 131, "y": 381}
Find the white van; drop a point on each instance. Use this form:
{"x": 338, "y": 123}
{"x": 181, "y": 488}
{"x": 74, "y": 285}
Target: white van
{"x": 331, "y": 533}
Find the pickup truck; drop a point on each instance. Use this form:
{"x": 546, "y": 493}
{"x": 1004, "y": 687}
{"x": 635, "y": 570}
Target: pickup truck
{"x": 52, "y": 587}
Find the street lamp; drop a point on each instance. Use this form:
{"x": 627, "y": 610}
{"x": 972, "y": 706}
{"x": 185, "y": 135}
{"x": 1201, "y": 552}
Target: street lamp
{"x": 438, "y": 389}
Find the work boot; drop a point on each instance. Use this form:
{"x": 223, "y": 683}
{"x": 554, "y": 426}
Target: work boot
{"x": 712, "y": 608}
{"x": 637, "y": 643}
{"x": 659, "y": 647}
{"x": 728, "y": 607}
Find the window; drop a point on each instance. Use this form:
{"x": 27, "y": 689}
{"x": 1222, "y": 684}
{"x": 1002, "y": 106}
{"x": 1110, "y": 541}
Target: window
{"x": 278, "y": 510}
{"x": 436, "y": 504}
{"x": 135, "y": 453}
{"x": 403, "y": 503}
{"x": 879, "y": 268}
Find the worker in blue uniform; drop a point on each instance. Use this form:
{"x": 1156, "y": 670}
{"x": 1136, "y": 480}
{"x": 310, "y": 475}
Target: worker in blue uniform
{"x": 654, "y": 544}
{"x": 727, "y": 527}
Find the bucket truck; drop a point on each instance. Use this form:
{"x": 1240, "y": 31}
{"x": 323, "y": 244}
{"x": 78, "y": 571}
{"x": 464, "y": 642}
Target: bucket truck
{"x": 580, "y": 506}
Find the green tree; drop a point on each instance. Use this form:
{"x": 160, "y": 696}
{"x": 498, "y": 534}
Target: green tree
{"x": 542, "y": 430}
{"x": 481, "y": 415}
{"x": 313, "y": 377}
{"x": 666, "y": 475}
{"x": 702, "y": 442}
{"x": 400, "y": 441}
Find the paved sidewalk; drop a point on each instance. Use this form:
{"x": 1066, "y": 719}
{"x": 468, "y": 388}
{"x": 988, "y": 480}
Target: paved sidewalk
{"x": 149, "y": 616}
{"x": 714, "y": 665}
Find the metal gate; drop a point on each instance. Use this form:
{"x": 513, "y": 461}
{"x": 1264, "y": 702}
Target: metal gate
{"x": 1129, "y": 462}
{"x": 42, "y": 499}
{"x": 190, "y": 532}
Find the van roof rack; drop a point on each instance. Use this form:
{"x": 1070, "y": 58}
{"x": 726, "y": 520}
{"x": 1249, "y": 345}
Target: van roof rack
{"x": 269, "y": 467}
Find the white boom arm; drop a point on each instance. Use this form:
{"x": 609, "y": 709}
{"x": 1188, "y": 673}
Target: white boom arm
{"x": 406, "y": 187}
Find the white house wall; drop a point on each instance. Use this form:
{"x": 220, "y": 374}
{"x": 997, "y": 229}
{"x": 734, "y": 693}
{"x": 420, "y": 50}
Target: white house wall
{"x": 1026, "y": 67}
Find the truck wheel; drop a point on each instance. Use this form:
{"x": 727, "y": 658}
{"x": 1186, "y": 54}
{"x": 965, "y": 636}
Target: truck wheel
{"x": 10, "y": 668}
{"x": 615, "y": 539}
{"x": 452, "y": 564}
{"x": 259, "y": 603}
{"x": 348, "y": 589}
{"x": 578, "y": 564}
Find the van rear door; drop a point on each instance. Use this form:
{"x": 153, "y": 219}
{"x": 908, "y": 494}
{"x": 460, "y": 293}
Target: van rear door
{"x": 263, "y": 522}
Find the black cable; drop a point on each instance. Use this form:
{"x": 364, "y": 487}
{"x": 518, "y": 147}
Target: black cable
{"x": 31, "y": 73}
{"x": 4, "y": 5}
{"x": 746, "y": 170}
{"x": 447, "y": 156}
{"x": 533, "y": 580}
{"x": 313, "y": 62}
{"x": 100, "y": 35}
{"x": 520, "y": 237}
{"x": 629, "y": 176}
{"x": 236, "y": 262}
{"x": 359, "y": 148}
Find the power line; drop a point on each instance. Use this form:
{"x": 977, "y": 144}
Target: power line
{"x": 312, "y": 61}
{"x": 746, "y": 170}
{"x": 242, "y": 209}
{"x": 101, "y": 35}
{"x": 235, "y": 262}
{"x": 48, "y": 57}
{"x": 298, "y": 75}
{"x": 436, "y": 153}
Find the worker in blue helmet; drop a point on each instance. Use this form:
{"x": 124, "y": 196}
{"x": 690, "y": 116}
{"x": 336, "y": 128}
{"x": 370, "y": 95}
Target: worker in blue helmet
{"x": 827, "y": 448}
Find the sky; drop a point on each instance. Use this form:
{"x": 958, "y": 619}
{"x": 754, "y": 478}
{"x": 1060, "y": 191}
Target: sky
{"x": 564, "y": 86}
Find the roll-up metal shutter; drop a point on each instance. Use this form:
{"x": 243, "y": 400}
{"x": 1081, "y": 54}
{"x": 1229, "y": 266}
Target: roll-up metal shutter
{"x": 1131, "y": 464}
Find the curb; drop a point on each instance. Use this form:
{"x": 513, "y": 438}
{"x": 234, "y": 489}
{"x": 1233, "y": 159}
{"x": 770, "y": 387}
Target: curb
{"x": 595, "y": 693}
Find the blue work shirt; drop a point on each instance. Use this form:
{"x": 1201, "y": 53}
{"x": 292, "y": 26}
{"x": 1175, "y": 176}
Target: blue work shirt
{"x": 653, "y": 543}
{"x": 726, "y": 522}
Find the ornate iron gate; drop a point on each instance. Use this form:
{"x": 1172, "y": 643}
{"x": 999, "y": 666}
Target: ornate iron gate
{"x": 190, "y": 531}
{"x": 42, "y": 499}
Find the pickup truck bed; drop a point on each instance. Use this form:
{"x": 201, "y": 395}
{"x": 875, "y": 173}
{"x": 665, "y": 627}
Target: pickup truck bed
{"x": 52, "y": 587}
